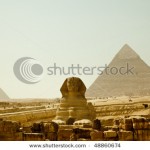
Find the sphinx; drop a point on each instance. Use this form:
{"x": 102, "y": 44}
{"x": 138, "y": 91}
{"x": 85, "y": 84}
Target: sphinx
{"x": 73, "y": 103}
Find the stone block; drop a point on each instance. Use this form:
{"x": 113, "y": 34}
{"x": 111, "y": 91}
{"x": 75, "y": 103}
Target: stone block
{"x": 51, "y": 136}
{"x": 145, "y": 135}
{"x": 27, "y": 129}
{"x": 33, "y": 137}
{"x": 148, "y": 137}
{"x": 10, "y": 126}
{"x": 1, "y": 126}
{"x": 125, "y": 136}
{"x": 84, "y": 133}
{"x": 18, "y": 136}
{"x": 97, "y": 124}
{"x": 49, "y": 127}
{"x": 97, "y": 135}
{"x": 36, "y": 127}
{"x": 128, "y": 121}
{"x": 9, "y": 136}
{"x": 115, "y": 128}
{"x": 64, "y": 135}
{"x": 110, "y": 134}
{"x": 62, "y": 127}
{"x": 116, "y": 122}
{"x": 139, "y": 123}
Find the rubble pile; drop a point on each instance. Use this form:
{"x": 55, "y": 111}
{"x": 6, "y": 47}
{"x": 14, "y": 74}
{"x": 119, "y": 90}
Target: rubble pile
{"x": 123, "y": 129}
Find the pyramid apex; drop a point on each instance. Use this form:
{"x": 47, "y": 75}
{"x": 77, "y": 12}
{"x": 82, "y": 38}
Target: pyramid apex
{"x": 126, "y": 46}
{"x": 110, "y": 84}
{"x": 126, "y": 52}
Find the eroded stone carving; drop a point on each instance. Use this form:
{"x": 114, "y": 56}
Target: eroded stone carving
{"x": 73, "y": 103}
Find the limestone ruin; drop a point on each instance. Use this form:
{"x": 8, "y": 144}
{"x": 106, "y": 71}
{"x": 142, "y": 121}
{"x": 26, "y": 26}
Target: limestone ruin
{"x": 123, "y": 129}
{"x": 73, "y": 103}
{"x": 74, "y": 118}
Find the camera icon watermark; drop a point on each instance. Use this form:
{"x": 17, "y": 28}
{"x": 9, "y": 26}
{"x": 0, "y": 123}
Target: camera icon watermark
{"x": 28, "y": 70}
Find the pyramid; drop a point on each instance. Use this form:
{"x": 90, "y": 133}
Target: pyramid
{"x": 3, "y": 95}
{"x": 111, "y": 83}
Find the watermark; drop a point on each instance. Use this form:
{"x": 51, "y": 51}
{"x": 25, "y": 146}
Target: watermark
{"x": 28, "y": 70}
{"x": 86, "y": 70}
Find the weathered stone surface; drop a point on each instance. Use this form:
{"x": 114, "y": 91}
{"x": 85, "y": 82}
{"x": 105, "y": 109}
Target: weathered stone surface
{"x": 145, "y": 135}
{"x": 62, "y": 127}
{"x": 27, "y": 129}
{"x": 1, "y": 126}
{"x": 148, "y": 132}
{"x": 33, "y": 137}
{"x": 36, "y": 127}
{"x": 17, "y": 136}
{"x": 110, "y": 134}
{"x": 51, "y": 136}
{"x": 116, "y": 122}
{"x": 97, "y": 124}
{"x": 121, "y": 109}
{"x": 108, "y": 121}
{"x": 81, "y": 133}
{"x": 106, "y": 128}
{"x": 145, "y": 126}
{"x": 64, "y": 135}
{"x": 59, "y": 122}
{"x": 25, "y": 117}
{"x": 49, "y": 127}
{"x": 140, "y": 135}
{"x": 82, "y": 139}
{"x": 92, "y": 110}
{"x": 115, "y": 128}
{"x": 73, "y": 103}
{"x": 9, "y": 126}
{"x": 70, "y": 121}
{"x": 84, "y": 133}
{"x": 10, "y": 130}
{"x": 73, "y": 137}
{"x": 126, "y": 124}
{"x": 83, "y": 122}
{"x": 125, "y": 135}
{"x": 117, "y": 85}
{"x": 139, "y": 123}
{"x": 97, "y": 135}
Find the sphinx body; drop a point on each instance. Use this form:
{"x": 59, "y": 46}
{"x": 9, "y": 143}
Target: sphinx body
{"x": 73, "y": 103}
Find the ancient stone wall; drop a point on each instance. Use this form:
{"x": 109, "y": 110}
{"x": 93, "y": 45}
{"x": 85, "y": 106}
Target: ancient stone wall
{"x": 10, "y": 131}
{"x": 118, "y": 110}
{"x": 29, "y": 116}
{"x": 125, "y": 129}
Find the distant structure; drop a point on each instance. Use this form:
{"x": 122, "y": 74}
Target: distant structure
{"x": 3, "y": 95}
{"x": 126, "y": 75}
{"x": 73, "y": 103}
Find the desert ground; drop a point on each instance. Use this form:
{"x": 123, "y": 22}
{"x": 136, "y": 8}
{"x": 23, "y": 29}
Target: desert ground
{"x": 30, "y": 113}
{"x": 109, "y": 107}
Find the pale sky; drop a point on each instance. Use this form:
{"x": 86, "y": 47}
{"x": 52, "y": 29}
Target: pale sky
{"x": 85, "y": 32}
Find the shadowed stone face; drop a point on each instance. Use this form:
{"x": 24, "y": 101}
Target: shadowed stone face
{"x": 73, "y": 86}
{"x": 73, "y": 103}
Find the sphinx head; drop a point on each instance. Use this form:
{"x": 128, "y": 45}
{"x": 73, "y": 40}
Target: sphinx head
{"x": 73, "y": 85}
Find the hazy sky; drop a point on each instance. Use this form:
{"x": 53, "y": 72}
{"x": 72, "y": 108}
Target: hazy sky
{"x": 85, "y": 32}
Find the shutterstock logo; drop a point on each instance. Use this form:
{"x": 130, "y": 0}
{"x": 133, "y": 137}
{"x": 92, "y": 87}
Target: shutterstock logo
{"x": 28, "y": 70}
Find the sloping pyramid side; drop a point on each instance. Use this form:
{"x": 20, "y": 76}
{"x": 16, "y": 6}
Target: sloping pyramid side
{"x": 3, "y": 95}
{"x": 129, "y": 84}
